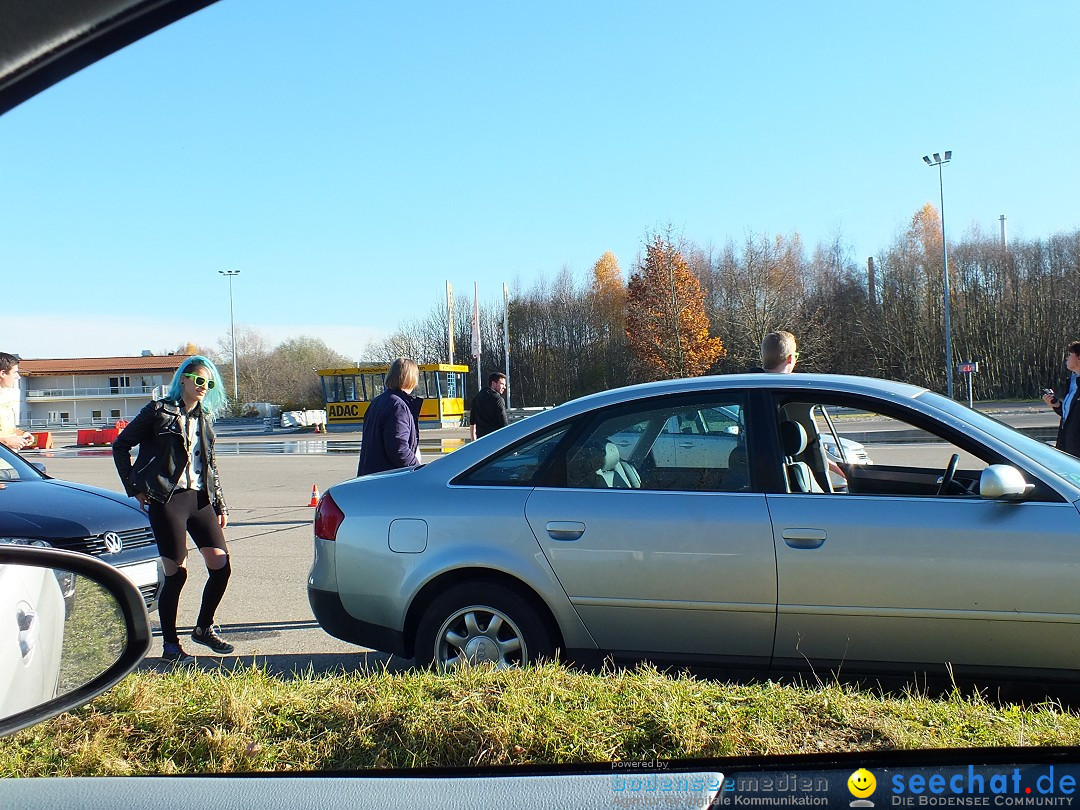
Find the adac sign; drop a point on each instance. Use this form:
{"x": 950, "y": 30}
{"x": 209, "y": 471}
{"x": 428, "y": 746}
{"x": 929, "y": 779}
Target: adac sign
{"x": 345, "y": 410}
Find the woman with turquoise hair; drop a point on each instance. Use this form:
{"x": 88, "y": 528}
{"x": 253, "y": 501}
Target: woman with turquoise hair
{"x": 175, "y": 479}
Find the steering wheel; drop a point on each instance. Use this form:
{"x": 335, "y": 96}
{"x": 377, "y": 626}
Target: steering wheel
{"x": 947, "y": 478}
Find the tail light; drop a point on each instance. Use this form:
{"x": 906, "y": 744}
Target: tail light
{"x": 328, "y": 517}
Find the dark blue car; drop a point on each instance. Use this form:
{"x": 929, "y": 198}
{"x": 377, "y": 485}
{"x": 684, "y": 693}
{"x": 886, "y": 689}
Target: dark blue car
{"x": 76, "y": 517}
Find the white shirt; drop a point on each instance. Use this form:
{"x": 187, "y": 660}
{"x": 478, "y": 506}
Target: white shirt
{"x": 192, "y": 477}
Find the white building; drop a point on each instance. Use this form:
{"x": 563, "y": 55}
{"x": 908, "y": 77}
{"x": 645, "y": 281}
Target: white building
{"x": 91, "y": 391}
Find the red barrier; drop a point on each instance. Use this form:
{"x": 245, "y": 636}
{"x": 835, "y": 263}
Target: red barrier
{"x": 92, "y": 437}
{"x": 108, "y": 435}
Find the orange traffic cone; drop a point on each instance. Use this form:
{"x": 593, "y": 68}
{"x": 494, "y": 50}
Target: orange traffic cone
{"x": 314, "y": 496}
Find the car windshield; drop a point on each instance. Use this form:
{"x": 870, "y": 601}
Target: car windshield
{"x": 15, "y": 468}
{"x": 630, "y": 202}
{"x": 1063, "y": 464}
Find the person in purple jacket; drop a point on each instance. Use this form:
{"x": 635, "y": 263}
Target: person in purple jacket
{"x": 392, "y": 422}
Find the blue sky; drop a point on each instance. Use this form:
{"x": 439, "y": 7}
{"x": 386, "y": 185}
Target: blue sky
{"x": 351, "y": 157}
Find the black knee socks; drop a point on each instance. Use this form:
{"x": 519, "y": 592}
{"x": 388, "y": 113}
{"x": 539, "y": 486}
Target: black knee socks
{"x": 215, "y": 589}
{"x": 168, "y": 601}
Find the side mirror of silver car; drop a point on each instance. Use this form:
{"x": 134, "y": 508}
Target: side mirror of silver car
{"x": 1003, "y": 482}
{"x": 55, "y": 656}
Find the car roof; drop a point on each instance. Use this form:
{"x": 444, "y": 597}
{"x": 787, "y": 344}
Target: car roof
{"x": 45, "y": 41}
{"x": 833, "y": 382}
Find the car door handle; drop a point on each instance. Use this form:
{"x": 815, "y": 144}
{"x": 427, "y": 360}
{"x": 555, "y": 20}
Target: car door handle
{"x": 565, "y": 529}
{"x": 687, "y": 444}
{"x": 804, "y": 538}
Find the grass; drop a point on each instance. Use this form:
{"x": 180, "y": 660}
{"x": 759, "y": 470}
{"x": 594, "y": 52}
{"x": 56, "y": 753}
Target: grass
{"x": 94, "y": 635}
{"x": 196, "y": 721}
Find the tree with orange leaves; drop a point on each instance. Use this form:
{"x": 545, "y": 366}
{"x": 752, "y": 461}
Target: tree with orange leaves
{"x": 666, "y": 325}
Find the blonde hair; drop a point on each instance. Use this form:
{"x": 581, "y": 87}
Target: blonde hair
{"x": 776, "y": 347}
{"x": 403, "y": 374}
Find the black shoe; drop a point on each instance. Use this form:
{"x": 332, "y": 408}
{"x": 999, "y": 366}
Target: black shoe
{"x": 211, "y": 639}
{"x": 175, "y": 653}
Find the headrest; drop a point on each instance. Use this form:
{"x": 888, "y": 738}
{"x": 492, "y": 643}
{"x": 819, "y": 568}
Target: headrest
{"x": 611, "y": 457}
{"x": 792, "y": 437}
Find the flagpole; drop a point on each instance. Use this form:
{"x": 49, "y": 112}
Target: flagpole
{"x": 450, "y": 322}
{"x": 476, "y": 335}
{"x": 506, "y": 339}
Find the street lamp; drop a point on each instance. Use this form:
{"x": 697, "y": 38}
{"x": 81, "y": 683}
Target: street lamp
{"x": 232, "y": 329}
{"x": 939, "y": 161}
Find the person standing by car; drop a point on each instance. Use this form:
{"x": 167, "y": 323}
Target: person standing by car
{"x": 391, "y": 436}
{"x": 10, "y": 435}
{"x": 175, "y": 479}
{"x": 488, "y": 411}
{"x": 778, "y": 353}
{"x": 1068, "y": 437}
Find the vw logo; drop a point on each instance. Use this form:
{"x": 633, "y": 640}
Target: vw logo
{"x": 113, "y": 543}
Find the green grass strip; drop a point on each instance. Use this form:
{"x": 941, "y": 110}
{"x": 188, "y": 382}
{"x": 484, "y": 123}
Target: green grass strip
{"x": 192, "y": 721}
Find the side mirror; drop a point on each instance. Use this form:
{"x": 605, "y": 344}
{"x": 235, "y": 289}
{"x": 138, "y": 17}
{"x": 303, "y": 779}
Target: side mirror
{"x": 1003, "y": 482}
{"x": 71, "y": 627}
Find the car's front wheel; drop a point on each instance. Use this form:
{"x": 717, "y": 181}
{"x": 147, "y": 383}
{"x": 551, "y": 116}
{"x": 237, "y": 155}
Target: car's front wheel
{"x": 475, "y": 623}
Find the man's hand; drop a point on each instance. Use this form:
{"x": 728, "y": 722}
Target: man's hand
{"x": 17, "y": 441}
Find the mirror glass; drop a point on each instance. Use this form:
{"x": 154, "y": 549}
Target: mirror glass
{"x": 58, "y": 631}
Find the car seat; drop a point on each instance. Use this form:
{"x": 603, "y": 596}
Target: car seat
{"x": 737, "y": 477}
{"x": 616, "y": 473}
{"x": 583, "y": 467}
{"x": 800, "y": 478}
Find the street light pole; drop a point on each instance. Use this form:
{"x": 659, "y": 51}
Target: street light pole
{"x": 939, "y": 161}
{"x": 232, "y": 330}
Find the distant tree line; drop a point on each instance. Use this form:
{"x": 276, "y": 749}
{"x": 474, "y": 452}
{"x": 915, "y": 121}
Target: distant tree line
{"x": 686, "y": 310}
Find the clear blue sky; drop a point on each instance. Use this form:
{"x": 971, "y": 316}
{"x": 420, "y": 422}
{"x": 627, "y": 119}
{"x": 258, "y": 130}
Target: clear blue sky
{"x": 351, "y": 157}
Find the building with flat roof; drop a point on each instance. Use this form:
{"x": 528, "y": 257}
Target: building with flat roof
{"x": 91, "y": 391}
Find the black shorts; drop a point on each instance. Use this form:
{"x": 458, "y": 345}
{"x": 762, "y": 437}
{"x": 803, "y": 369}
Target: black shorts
{"x": 187, "y": 512}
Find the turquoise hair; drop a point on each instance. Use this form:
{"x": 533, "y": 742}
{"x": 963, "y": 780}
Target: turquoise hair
{"x": 216, "y": 400}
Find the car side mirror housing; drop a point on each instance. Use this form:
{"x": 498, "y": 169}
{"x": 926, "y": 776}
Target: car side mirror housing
{"x": 1003, "y": 482}
{"x": 56, "y": 655}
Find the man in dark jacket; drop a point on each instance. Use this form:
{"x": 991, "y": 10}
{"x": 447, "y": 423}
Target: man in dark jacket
{"x": 1068, "y": 438}
{"x": 488, "y": 412}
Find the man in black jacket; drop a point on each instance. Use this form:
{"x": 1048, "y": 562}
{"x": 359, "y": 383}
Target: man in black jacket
{"x": 1068, "y": 438}
{"x": 488, "y": 412}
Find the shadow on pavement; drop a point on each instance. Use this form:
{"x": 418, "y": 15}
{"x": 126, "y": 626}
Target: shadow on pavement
{"x": 291, "y": 665}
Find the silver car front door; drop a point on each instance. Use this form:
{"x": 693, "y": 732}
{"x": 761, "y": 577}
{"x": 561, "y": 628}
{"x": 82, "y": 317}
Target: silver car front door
{"x": 926, "y": 580}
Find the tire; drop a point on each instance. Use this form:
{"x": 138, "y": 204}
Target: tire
{"x": 478, "y": 622}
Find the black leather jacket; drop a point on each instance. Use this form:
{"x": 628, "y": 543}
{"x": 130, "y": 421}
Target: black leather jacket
{"x": 163, "y": 454}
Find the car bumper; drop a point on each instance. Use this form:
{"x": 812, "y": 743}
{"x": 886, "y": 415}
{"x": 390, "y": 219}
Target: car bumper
{"x": 147, "y": 577}
{"x": 334, "y": 619}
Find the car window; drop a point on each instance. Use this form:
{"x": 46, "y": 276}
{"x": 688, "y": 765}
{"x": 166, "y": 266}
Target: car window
{"x": 861, "y": 452}
{"x": 519, "y": 465}
{"x": 13, "y": 468}
{"x": 669, "y": 447}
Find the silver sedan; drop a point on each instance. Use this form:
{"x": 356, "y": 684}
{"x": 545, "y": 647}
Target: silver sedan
{"x": 607, "y": 527}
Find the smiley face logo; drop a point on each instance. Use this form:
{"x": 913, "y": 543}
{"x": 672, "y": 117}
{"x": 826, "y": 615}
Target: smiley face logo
{"x": 862, "y": 783}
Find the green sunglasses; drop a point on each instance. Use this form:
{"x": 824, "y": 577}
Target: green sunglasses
{"x": 201, "y": 381}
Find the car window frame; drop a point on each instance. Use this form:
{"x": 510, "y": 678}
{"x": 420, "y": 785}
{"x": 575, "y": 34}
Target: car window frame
{"x": 754, "y": 401}
{"x": 1044, "y": 491}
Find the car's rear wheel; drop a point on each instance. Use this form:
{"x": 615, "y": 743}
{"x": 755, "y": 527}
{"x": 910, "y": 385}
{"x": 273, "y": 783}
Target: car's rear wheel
{"x": 476, "y": 623}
